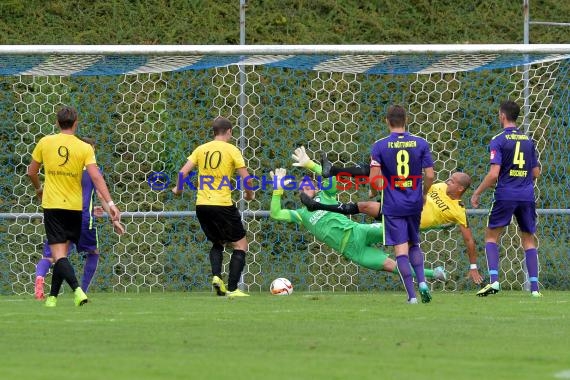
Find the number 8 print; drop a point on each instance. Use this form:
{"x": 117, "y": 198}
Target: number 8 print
{"x": 403, "y": 158}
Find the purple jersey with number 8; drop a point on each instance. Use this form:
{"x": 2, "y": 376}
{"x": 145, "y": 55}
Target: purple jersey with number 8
{"x": 401, "y": 155}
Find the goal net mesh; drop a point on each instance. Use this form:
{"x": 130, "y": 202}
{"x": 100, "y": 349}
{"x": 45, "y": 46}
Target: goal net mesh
{"x": 147, "y": 113}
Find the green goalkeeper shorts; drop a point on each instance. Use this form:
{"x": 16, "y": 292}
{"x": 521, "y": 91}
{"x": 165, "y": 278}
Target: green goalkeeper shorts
{"x": 360, "y": 246}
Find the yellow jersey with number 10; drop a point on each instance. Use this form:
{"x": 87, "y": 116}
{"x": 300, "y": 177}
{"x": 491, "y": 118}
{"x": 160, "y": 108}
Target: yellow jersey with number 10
{"x": 216, "y": 162}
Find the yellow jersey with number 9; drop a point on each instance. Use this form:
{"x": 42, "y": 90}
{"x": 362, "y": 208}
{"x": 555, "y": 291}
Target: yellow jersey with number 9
{"x": 63, "y": 157}
{"x": 216, "y": 162}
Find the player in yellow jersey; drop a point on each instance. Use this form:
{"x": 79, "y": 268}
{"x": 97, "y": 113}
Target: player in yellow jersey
{"x": 88, "y": 241}
{"x": 64, "y": 156}
{"x": 443, "y": 207}
{"x": 217, "y": 161}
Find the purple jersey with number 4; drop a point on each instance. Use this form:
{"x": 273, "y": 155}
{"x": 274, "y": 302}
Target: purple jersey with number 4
{"x": 402, "y": 158}
{"x": 516, "y": 154}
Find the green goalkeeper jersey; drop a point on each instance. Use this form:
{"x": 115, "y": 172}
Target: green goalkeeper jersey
{"x": 328, "y": 227}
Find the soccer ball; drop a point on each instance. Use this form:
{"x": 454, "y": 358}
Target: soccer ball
{"x": 281, "y": 287}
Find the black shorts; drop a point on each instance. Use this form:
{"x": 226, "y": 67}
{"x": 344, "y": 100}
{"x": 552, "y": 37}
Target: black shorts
{"x": 221, "y": 224}
{"x": 62, "y": 225}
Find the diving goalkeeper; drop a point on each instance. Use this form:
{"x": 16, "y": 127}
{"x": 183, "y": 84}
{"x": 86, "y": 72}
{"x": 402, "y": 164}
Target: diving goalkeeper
{"x": 354, "y": 241}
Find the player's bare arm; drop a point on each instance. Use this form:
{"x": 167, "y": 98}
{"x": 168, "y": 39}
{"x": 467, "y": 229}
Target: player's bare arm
{"x": 429, "y": 176}
{"x": 182, "y": 173}
{"x": 117, "y": 225}
{"x": 104, "y": 205}
{"x": 375, "y": 179}
{"x": 33, "y": 174}
{"x": 489, "y": 180}
{"x": 249, "y": 194}
{"x": 98, "y": 212}
{"x": 472, "y": 253}
{"x": 101, "y": 187}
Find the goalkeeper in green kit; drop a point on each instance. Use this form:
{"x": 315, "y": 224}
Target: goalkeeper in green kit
{"x": 355, "y": 241}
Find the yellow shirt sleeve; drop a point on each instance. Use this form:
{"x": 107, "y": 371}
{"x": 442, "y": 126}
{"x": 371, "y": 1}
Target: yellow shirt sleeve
{"x": 462, "y": 218}
{"x": 90, "y": 158}
{"x": 239, "y": 162}
{"x": 192, "y": 157}
{"x": 37, "y": 154}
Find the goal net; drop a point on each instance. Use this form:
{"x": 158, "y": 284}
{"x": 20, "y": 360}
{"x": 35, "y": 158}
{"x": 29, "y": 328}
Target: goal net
{"x": 149, "y": 106}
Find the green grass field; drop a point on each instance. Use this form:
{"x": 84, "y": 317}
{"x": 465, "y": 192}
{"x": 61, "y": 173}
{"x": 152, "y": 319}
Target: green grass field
{"x": 303, "y": 336}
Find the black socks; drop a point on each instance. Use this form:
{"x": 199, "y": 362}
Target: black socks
{"x": 237, "y": 263}
{"x": 62, "y": 270}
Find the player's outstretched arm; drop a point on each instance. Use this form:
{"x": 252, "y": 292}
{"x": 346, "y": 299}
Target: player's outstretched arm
{"x": 472, "y": 253}
{"x": 275, "y": 210}
{"x": 303, "y": 160}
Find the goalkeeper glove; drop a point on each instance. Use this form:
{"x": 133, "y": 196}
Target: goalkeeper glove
{"x": 303, "y": 160}
{"x": 278, "y": 176}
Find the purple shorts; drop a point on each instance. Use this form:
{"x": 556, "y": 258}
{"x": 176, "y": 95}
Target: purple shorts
{"x": 401, "y": 229}
{"x": 87, "y": 243}
{"x": 502, "y": 213}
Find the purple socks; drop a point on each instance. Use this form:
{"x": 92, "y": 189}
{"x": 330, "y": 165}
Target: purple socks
{"x": 406, "y": 274}
{"x": 492, "y": 252}
{"x": 42, "y": 268}
{"x": 417, "y": 260}
{"x": 531, "y": 257}
{"x": 91, "y": 261}
{"x": 89, "y": 269}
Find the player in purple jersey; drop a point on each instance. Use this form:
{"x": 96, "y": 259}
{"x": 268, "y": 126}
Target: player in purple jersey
{"x": 400, "y": 164}
{"x": 514, "y": 168}
{"x": 88, "y": 238}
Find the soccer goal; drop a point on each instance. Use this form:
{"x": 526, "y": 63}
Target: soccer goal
{"x": 149, "y": 106}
